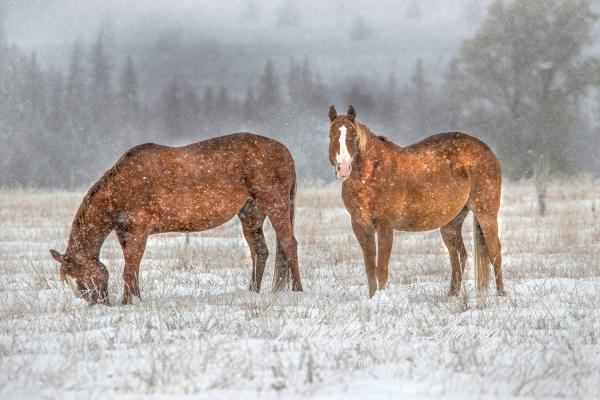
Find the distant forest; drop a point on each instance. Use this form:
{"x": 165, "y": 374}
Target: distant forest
{"x": 534, "y": 100}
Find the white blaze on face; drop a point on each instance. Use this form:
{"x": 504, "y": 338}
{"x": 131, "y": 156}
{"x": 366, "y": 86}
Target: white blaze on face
{"x": 343, "y": 158}
{"x": 73, "y": 285}
{"x": 343, "y": 155}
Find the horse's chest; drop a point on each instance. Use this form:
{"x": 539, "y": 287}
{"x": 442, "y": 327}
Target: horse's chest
{"x": 357, "y": 203}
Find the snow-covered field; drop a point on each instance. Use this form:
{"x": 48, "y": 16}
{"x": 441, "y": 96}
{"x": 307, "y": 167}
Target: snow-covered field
{"x": 199, "y": 333}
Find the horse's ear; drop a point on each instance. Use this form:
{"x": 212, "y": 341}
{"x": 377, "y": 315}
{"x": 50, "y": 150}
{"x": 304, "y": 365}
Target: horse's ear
{"x": 351, "y": 113}
{"x": 57, "y": 256}
{"x": 332, "y": 113}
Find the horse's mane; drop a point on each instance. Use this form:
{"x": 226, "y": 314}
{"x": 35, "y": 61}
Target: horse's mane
{"x": 363, "y": 136}
{"x": 104, "y": 180}
{"x": 386, "y": 140}
{"x": 89, "y": 197}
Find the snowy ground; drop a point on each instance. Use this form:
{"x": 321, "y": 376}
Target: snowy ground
{"x": 199, "y": 334}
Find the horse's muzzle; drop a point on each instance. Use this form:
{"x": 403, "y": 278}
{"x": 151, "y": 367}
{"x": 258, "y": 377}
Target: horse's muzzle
{"x": 343, "y": 170}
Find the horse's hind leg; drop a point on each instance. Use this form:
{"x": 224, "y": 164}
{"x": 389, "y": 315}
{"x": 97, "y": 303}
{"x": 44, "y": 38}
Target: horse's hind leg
{"x": 252, "y": 219}
{"x": 280, "y": 214}
{"x": 133, "y": 243}
{"x": 489, "y": 228}
{"x": 485, "y": 207}
{"x": 452, "y": 236}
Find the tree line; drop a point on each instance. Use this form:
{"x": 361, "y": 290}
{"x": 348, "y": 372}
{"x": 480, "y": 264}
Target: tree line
{"x": 523, "y": 83}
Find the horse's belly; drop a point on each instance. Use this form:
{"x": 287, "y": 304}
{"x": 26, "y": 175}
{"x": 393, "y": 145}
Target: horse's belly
{"x": 425, "y": 221}
{"x": 194, "y": 212}
{"x": 429, "y": 209}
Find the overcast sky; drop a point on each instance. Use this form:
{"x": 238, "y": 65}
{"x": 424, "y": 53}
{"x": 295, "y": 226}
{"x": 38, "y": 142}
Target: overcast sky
{"x": 433, "y": 26}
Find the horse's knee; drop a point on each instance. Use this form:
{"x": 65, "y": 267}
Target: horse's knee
{"x": 262, "y": 251}
{"x": 289, "y": 243}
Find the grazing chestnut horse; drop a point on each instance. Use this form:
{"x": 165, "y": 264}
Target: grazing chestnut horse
{"x": 156, "y": 189}
{"x": 428, "y": 185}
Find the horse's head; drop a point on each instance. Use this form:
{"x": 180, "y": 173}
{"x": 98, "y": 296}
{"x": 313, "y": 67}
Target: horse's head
{"x": 343, "y": 142}
{"x": 87, "y": 278}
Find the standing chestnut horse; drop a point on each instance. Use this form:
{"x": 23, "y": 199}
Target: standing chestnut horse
{"x": 428, "y": 185}
{"x": 157, "y": 189}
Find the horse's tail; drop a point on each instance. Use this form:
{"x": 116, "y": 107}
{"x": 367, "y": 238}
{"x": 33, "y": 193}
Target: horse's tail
{"x": 292, "y": 202}
{"x": 482, "y": 258}
{"x": 282, "y": 277}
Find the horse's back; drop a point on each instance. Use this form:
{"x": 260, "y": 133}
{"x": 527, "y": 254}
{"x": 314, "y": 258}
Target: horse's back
{"x": 201, "y": 185}
{"x": 236, "y": 148}
{"x": 231, "y": 161}
{"x": 460, "y": 148}
{"x": 450, "y": 141}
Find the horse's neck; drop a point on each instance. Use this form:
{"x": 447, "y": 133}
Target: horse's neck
{"x": 375, "y": 152}
{"x": 91, "y": 226}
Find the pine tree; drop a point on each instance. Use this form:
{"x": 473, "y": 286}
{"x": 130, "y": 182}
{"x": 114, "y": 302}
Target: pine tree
{"x": 128, "y": 93}
{"x": 75, "y": 101}
{"x": 294, "y": 82}
{"x": 223, "y": 104}
{"x": 268, "y": 92}
{"x": 420, "y": 106}
{"x": 56, "y": 107}
{"x": 248, "y": 109}
{"x": 34, "y": 94}
{"x": 191, "y": 112}
{"x": 54, "y": 133}
{"x": 100, "y": 85}
{"x": 359, "y": 94}
{"x": 208, "y": 105}
{"x": 172, "y": 110}
{"x": 451, "y": 96}
{"x": 390, "y": 104}
{"x": 308, "y": 83}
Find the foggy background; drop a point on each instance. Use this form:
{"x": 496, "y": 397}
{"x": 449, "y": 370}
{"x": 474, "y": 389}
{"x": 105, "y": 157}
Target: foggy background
{"x": 82, "y": 81}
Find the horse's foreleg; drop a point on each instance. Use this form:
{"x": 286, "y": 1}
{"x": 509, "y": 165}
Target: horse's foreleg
{"x": 366, "y": 238}
{"x": 385, "y": 240}
{"x": 133, "y": 244}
